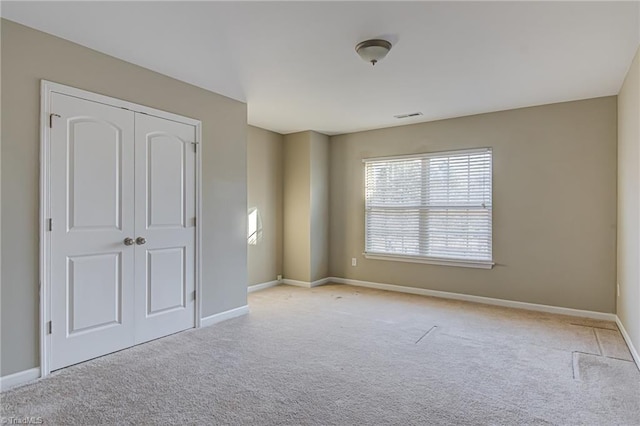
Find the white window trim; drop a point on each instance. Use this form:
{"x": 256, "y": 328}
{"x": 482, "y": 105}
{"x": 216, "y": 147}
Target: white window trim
{"x": 428, "y": 154}
{"x": 477, "y": 264}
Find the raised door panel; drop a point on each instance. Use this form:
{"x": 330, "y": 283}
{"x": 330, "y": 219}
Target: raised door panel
{"x": 95, "y": 292}
{"x": 166, "y": 280}
{"x": 94, "y": 175}
{"x": 166, "y": 170}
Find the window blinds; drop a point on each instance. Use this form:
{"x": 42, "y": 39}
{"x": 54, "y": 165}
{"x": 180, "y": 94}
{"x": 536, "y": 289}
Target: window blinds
{"x": 430, "y": 206}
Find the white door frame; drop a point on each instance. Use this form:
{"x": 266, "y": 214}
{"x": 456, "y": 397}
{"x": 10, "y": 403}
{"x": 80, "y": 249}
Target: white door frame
{"x": 46, "y": 89}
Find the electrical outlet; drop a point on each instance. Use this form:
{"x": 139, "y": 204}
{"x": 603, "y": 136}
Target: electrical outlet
{"x": 354, "y": 261}
{"x": 279, "y": 278}
{"x": 618, "y": 289}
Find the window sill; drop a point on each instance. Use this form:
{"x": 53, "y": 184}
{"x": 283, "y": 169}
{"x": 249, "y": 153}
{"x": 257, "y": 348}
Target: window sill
{"x": 432, "y": 260}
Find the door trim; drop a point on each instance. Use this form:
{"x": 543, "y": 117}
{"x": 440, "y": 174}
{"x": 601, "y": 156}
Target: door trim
{"x": 46, "y": 90}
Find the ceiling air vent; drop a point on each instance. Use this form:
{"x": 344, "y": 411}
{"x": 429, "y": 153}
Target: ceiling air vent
{"x": 413, "y": 114}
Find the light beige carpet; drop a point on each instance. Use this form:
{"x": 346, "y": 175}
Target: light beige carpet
{"x": 341, "y": 355}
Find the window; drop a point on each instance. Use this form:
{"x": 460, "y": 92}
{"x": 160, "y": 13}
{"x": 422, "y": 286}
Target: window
{"x": 254, "y": 228}
{"x": 430, "y": 208}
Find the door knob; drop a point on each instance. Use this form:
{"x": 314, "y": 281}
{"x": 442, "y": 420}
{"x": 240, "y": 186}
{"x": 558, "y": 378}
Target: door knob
{"x": 128, "y": 241}
{"x": 140, "y": 241}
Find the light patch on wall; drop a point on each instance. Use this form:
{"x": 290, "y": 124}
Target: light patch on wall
{"x": 254, "y": 228}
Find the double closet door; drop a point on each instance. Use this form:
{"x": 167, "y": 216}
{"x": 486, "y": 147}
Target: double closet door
{"x": 122, "y": 205}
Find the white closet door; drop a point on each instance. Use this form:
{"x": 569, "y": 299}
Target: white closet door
{"x": 92, "y": 211}
{"x": 165, "y": 227}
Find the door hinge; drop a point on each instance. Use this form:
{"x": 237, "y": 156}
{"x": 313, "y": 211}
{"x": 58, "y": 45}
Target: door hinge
{"x": 194, "y": 221}
{"x": 195, "y": 146}
{"x": 193, "y": 295}
{"x": 49, "y": 327}
{"x": 50, "y": 224}
{"x": 51, "y": 119}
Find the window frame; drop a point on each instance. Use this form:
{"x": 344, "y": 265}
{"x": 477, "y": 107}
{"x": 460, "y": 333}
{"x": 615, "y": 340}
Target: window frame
{"x": 431, "y": 260}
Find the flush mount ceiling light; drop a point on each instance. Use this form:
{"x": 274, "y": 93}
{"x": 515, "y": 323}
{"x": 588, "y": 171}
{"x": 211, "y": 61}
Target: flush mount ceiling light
{"x": 373, "y": 50}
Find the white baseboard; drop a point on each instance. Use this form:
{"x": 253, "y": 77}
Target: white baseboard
{"x": 223, "y": 316}
{"x": 319, "y": 282}
{"x": 479, "y": 299}
{"x": 296, "y": 283}
{"x": 627, "y": 338}
{"x": 307, "y": 284}
{"x": 262, "y": 286}
{"x": 19, "y": 378}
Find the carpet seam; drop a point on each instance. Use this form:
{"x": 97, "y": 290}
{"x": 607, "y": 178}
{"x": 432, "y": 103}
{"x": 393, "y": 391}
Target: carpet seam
{"x": 593, "y": 326}
{"x": 603, "y": 356}
{"x": 426, "y": 334}
{"x": 600, "y": 349}
{"x": 574, "y": 365}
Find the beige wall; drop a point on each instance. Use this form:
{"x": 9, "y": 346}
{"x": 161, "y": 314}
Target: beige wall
{"x": 297, "y": 231}
{"x": 319, "y": 161}
{"x": 629, "y": 202}
{"x": 306, "y": 206}
{"x": 27, "y": 57}
{"x": 265, "y": 192}
{"x": 554, "y": 197}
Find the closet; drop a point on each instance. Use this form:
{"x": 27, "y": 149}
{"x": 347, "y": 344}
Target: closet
{"x": 120, "y": 254}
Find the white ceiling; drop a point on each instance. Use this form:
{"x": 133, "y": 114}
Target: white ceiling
{"x": 294, "y": 62}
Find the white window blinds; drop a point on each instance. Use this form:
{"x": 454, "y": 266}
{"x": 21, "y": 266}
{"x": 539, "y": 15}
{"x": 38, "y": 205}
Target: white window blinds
{"x": 430, "y": 206}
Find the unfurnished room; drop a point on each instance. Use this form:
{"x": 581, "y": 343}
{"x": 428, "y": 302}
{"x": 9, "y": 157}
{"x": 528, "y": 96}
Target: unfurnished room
{"x": 320, "y": 213}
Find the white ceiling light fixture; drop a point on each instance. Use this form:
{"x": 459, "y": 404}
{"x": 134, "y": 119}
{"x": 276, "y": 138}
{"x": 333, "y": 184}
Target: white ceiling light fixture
{"x": 373, "y": 50}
